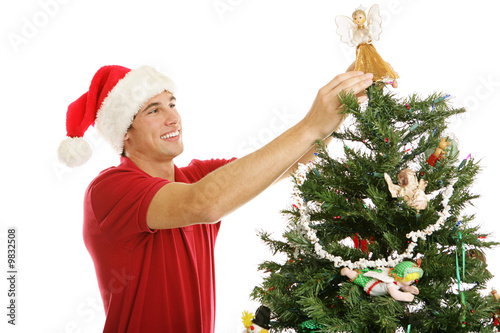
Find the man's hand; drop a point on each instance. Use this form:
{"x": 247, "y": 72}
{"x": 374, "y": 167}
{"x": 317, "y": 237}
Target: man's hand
{"x": 324, "y": 116}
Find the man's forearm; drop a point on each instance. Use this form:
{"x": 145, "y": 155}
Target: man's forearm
{"x": 240, "y": 181}
{"x": 308, "y": 156}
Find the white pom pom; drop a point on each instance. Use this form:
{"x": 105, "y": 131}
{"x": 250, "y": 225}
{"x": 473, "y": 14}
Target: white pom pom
{"x": 74, "y": 152}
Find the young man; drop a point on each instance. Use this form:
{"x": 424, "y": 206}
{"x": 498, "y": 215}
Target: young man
{"x": 150, "y": 226}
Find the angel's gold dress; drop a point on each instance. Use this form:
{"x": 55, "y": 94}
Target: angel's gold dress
{"x": 368, "y": 60}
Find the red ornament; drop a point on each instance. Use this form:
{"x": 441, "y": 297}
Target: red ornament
{"x": 432, "y": 160}
{"x": 361, "y": 243}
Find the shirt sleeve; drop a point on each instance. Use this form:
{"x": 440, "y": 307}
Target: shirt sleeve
{"x": 120, "y": 201}
{"x": 198, "y": 169}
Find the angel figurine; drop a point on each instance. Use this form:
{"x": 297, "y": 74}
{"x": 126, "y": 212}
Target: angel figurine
{"x": 355, "y": 33}
{"x": 409, "y": 188}
{"x": 377, "y": 282}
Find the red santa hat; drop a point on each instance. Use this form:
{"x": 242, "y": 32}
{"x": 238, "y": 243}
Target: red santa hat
{"x": 115, "y": 96}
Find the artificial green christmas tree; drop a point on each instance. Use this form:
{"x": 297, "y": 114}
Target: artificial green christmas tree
{"x": 395, "y": 197}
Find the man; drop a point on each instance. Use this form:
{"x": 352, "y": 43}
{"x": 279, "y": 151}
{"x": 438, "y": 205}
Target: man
{"x": 150, "y": 226}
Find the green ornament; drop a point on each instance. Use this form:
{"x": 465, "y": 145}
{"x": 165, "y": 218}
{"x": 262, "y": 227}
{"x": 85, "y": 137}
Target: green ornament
{"x": 310, "y": 325}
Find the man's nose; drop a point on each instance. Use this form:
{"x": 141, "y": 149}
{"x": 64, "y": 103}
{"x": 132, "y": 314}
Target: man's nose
{"x": 172, "y": 118}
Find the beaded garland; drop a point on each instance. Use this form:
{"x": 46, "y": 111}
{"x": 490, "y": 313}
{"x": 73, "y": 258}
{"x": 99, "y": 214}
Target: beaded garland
{"x": 304, "y": 222}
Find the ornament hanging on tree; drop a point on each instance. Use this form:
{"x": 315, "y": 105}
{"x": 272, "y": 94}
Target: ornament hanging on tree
{"x": 377, "y": 282}
{"x": 362, "y": 244}
{"x": 354, "y": 32}
{"x": 409, "y": 188}
{"x": 496, "y": 315}
{"x": 439, "y": 152}
{"x": 258, "y": 323}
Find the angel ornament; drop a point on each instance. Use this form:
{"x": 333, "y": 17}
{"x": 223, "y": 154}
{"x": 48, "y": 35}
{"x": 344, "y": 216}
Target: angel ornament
{"x": 355, "y": 33}
{"x": 409, "y": 188}
{"x": 397, "y": 281}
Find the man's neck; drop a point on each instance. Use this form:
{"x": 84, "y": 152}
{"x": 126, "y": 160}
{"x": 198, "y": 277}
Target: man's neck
{"x": 163, "y": 169}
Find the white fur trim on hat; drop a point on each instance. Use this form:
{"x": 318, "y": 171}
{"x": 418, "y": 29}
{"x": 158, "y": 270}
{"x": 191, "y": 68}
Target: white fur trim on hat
{"x": 74, "y": 151}
{"x": 126, "y": 99}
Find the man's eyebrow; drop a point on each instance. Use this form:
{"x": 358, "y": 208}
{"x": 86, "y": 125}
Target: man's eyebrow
{"x": 150, "y": 106}
{"x": 157, "y": 104}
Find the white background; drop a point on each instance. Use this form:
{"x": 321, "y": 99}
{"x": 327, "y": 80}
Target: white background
{"x": 246, "y": 70}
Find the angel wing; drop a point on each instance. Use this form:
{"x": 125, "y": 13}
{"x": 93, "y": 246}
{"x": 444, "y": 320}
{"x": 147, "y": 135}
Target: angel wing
{"x": 382, "y": 275}
{"x": 345, "y": 26}
{"x": 374, "y": 22}
{"x": 393, "y": 188}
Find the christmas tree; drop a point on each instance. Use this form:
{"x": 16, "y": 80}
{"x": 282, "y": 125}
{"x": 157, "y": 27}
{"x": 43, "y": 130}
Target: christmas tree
{"x": 392, "y": 206}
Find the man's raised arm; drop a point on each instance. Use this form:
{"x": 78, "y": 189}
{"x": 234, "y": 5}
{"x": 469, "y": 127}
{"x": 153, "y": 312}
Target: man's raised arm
{"x": 229, "y": 187}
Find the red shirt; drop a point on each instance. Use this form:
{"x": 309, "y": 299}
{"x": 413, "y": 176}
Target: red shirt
{"x": 150, "y": 280}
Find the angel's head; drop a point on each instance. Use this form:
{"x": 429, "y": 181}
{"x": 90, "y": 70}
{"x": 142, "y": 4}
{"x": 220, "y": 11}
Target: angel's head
{"x": 406, "y": 272}
{"x": 408, "y": 178}
{"x": 359, "y": 17}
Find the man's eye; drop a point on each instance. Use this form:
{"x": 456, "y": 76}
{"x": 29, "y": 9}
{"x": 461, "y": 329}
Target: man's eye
{"x": 172, "y": 106}
{"x": 153, "y": 111}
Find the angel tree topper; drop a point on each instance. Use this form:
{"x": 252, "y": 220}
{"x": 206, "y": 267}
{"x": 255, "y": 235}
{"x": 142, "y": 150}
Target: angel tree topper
{"x": 355, "y": 33}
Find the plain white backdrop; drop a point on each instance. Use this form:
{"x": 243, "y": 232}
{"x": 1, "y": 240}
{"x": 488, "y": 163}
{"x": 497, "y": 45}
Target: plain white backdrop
{"x": 247, "y": 70}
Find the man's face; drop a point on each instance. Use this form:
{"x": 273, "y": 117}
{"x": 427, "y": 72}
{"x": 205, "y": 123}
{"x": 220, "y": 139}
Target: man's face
{"x": 155, "y": 134}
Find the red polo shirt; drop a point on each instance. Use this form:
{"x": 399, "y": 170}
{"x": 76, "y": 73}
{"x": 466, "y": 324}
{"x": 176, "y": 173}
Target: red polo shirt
{"x": 150, "y": 280}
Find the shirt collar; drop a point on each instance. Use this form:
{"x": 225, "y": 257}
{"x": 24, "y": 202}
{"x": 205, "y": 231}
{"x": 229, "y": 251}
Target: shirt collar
{"x": 128, "y": 163}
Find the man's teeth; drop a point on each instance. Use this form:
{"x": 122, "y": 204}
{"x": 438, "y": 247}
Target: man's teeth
{"x": 169, "y": 135}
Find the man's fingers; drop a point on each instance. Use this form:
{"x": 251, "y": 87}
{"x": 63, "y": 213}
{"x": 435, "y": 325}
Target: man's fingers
{"x": 354, "y": 82}
{"x": 357, "y": 84}
{"x": 351, "y": 81}
{"x": 341, "y": 78}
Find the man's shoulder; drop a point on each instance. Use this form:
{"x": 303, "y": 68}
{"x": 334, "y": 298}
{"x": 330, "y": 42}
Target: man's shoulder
{"x": 117, "y": 176}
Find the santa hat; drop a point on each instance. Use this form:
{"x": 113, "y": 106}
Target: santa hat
{"x": 115, "y": 96}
